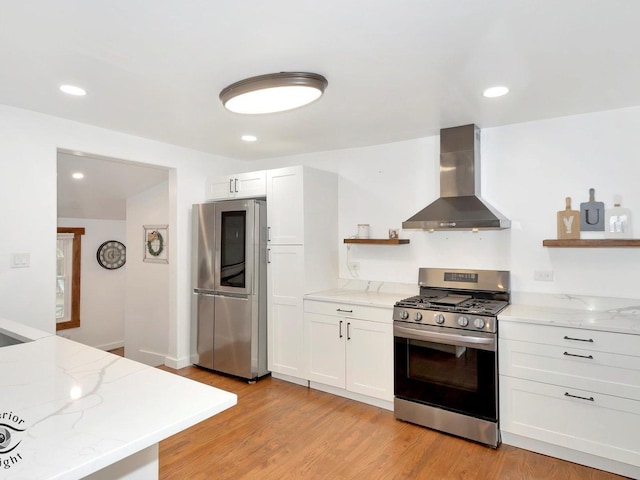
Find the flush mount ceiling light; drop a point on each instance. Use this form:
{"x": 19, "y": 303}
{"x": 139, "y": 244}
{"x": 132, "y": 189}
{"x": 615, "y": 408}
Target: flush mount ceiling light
{"x": 73, "y": 90}
{"x": 275, "y": 92}
{"x": 495, "y": 92}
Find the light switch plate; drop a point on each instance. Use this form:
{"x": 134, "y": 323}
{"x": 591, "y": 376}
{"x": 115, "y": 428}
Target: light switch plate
{"x": 543, "y": 275}
{"x": 20, "y": 260}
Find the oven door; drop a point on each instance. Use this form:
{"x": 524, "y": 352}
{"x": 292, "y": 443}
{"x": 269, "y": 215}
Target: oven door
{"x": 447, "y": 368}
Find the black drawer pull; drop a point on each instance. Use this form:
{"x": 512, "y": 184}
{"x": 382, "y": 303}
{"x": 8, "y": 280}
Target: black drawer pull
{"x": 590, "y": 340}
{"x": 345, "y": 311}
{"x": 590, "y": 357}
{"x": 590, "y": 399}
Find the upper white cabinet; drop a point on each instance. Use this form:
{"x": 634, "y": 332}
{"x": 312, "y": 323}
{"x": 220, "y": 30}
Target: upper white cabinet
{"x": 242, "y": 185}
{"x": 302, "y": 210}
{"x": 285, "y": 206}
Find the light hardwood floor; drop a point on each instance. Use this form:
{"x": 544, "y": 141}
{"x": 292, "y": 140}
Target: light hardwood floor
{"x": 280, "y": 430}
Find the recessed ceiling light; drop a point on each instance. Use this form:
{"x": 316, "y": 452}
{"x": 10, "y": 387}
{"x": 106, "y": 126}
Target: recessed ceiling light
{"x": 249, "y": 138}
{"x": 275, "y": 92}
{"x": 495, "y": 92}
{"x": 73, "y": 90}
{"x": 78, "y": 175}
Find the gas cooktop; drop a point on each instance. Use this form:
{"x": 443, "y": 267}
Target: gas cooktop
{"x": 454, "y": 303}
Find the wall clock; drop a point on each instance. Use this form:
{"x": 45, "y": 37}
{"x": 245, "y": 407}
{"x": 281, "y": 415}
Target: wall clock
{"x": 111, "y": 255}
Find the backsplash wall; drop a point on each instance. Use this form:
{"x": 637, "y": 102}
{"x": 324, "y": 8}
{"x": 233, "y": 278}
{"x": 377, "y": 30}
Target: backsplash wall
{"x": 527, "y": 171}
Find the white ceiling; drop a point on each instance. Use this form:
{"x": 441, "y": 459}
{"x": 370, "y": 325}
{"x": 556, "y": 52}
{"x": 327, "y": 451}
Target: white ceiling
{"x": 397, "y": 69}
{"x": 105, "y": 188}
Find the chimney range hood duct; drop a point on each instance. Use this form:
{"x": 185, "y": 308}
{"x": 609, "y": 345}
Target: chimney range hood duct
{"x": 459, "y": 206}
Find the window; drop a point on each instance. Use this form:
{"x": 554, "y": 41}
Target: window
{"x": 68, "y": 256}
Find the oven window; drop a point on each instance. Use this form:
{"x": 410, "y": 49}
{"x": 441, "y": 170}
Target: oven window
{"x": 460, "y": 379}
{"x": 445, "y": 365}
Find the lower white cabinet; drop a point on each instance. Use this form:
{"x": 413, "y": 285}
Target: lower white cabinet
{"x": 355, "y": 354}
{"x": 573, "y": 393}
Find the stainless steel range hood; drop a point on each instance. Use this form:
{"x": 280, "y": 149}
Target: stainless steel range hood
{"x": 459, "y": 206}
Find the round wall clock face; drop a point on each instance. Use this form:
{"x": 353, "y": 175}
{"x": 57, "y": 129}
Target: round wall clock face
{"x": 111, "y": 255}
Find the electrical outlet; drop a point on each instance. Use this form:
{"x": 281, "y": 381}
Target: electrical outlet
{"x": 543, "y": 275}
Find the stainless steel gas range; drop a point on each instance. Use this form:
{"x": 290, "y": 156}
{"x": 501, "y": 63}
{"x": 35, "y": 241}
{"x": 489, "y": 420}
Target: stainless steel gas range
{"x": 446, "y": 352}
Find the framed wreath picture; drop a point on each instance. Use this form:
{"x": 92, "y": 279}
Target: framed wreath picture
{"x": 156, "y": 243}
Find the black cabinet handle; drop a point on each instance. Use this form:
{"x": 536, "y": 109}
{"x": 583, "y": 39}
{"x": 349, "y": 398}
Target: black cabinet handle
{"x": 348, "y": 331}
{"x": 340, "y": 329}
{"x": 590, "y": 357}
{"x": 231, "y": 185}
{"x": 345, "y": 311}
{"x": 589, "y": 399}
{"x": 590, "y": 340}
{"x": 235, "y": 183}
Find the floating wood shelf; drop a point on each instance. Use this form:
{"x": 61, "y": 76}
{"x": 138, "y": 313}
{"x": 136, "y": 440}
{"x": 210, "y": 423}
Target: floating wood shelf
{"x": 378, "y": 241}
{"x": 592, "y": 243}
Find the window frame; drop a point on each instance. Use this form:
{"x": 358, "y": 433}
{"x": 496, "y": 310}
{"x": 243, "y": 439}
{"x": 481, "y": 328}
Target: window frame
{"x": 75, "y": 277}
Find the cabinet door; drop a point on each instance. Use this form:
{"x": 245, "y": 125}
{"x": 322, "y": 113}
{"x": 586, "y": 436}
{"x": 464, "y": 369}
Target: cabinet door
{"x": 285, "y": 209}
{"x": 252, "y": 184}
{"x": 220, "y": 188}
{"x": 325, "y": 346}
{"x": 285, "y": 326}
{"x": 370, "y": 358}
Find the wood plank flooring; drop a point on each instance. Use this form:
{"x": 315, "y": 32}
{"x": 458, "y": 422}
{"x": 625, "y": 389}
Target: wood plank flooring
{"x": 280, "y": 430}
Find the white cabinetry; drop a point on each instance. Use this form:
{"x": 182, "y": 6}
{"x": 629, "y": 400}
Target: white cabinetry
{"x": 302, "y": 218}
{"x": 242, "y": 185}
{"x": 350, "y": 347}
{"x": 572, "y": 393}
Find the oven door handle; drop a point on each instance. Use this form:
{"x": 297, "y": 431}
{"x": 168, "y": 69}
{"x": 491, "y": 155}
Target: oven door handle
{"x": 480, "y": 343}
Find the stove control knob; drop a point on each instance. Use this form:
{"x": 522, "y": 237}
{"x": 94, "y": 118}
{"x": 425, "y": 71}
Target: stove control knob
{"x": 404, "y": 315}
{"x": 417, "y": 316}
{"x": 478, "y": 323}
{"x": 463, "y": 321}
{"x": 439, "y": 318}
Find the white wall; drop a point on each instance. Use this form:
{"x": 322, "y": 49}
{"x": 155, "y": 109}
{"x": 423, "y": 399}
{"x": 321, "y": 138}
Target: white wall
{"x": 147, "y": 304}
{"x": 102, "y": 291}
{"x": 28, "y": 149}
{"x": 527, "y": 171}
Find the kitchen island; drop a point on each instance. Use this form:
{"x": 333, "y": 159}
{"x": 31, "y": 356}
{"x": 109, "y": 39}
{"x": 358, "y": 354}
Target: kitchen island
{"x": 70, "y": 411}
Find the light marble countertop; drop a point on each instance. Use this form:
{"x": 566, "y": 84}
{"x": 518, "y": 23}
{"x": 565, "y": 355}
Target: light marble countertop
{"x": 82, "y": 409}
{"x": 357, "y": 297}
{"x": 618, "y": 320}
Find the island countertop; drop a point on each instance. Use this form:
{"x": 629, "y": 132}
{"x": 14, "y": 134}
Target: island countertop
{"x": 72, "y": 410}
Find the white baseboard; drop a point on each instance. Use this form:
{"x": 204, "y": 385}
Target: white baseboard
{"x": 177, "y": 363}
{"x": 111, "y": 346}
{"x": 376, "y": 402}
{"x": 290, "y": 379}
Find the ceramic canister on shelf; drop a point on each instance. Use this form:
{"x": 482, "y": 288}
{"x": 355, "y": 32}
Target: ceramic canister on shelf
{"x": 617, "y": 220}
{"x": 363, "y": 230}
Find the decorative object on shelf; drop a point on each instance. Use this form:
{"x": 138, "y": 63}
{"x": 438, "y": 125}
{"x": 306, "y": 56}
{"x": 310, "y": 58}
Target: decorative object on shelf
{"x": 156, "y": 243}
{"x": 592, "y": 216}
{"x": 363, "y": 230}
{"x": 568, "y": 222}
{"x": 111, "y": 255}
{"x": 617, "y": 220}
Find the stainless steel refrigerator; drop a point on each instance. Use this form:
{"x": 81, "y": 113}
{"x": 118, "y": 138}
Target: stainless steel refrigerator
{"x": 229, "y": 287}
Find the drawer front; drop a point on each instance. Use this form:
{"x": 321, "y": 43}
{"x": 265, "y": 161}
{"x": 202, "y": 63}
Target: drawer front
{"x": 600, "y": 372}
{"x": 597, "y": 424}
{"x": 591, "y": 340}
{"x": 375, "y": 314}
